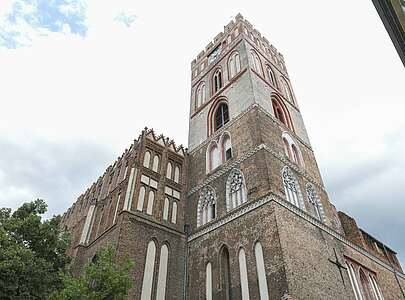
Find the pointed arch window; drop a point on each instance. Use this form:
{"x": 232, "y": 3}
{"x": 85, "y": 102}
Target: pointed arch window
{"x": 169, "y": 170}
{"x": 155, "y": 165}
{"x": 174, "y": 212}
{"x": 291, "y": 188}
{"x": 234, "y": 64}
{"x": 141, "y": 198}
{"x": 225, "y": 274}
{"x": 244, "y": 285}
{"x": 261, "y": 272}
{"x": 177, "y": 174}
{"x": 257, "y": 66}
{"x": 148, "y": 272}
{"x": 365, "y": 286}
{"x": 287, "y": 90}
{"x": 376, "y": 289}
{"x": 315, "y": 202}
{"x": 208, "y": 282}
{"x": 221, "y": 116}
{"x": 206, "y": 206}
{"x": 200, "y": 96}
{"x": 162, "y": 276}
{"x": 214, "y": 157}
{"x": 217, "y": 81}
{"x": 151, "y": 200}
{"x": 226, "y": 147}
{"x": 292, "y": 151}
{"x": 166, "y": 209}
{"x": 271, "y": 75}
{"x": 353, "y": 281}
{"x": 235, "y": 190}
{"x": 280, "y": 113}
{"x": 146, "y": 159}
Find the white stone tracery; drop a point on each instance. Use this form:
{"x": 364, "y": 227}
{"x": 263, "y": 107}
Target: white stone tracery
{"x": 291, "y": 188}
{"x": 314, "y": 201}
{"x": 206, "y": 210}
{"x": 235, "y": 190}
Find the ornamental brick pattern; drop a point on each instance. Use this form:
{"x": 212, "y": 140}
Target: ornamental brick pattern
{"x": 293, "y": 248}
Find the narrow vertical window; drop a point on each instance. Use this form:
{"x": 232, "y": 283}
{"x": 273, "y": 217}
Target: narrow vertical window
{"x": 148, "y": 272}
{"x": 296, "y": 156}
{"x": 226, "y": 148}
{"x": 287, "y": 90}
{"x": 169, "y": 170}
{"x": 208, "y": 282}
{"x": 155, "y": 165}
{"x": 365, "y": 286}
{"x": 314, "y": 201}
{"x": 291, "y": 188}
{"x": 166, "y": 209}
{"x": 146, "y": 159}
{"x": 174, "y": 212}
{"x": 225, "y": 274}
{"x": 287, "y": 148}
{"x": 200, "y": 95}
{"x": 257, "y": 66}
{"x": 116, "y": 208}
{"x": 234, "y": 64}
{"x": 217, "y": 81}
{"x": 141, "y": 198}
{"x": 125, "y": 171}
{"x": 271, "y": 75}
{"x": 354, "y": 282}
{"x": 151, "y": 199}
{"x": 130, "y": 189}
{"x": 162, "y": 277}
{"x": 261, "y": 272}
{"x": 177, "y": 174}
{"x": 279, "y": 112}
{"x": 243, "y": 275}
{"x": 214, "y": 157}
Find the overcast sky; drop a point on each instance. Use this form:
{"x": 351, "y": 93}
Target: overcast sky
{"x": 79, "y": 80}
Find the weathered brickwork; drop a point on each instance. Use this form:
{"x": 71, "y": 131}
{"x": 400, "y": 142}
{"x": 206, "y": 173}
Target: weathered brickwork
{"x": 243, "y": 211}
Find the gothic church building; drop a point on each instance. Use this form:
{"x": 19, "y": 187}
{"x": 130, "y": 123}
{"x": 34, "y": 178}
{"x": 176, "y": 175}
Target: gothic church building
{"x": 242, "y": 213}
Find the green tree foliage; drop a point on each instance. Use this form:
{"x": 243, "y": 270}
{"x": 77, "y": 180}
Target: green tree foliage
{"x": 32, "y": 252}
{"x": 103, "y": 279}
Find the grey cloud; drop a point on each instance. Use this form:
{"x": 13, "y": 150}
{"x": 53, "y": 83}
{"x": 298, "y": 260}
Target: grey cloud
{"x": 55, "y": 172}
{"x": 372, "y": 192}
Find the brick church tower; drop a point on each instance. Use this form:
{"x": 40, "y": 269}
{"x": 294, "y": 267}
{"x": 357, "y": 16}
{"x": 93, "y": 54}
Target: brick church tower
{"x": 243, "y": 212}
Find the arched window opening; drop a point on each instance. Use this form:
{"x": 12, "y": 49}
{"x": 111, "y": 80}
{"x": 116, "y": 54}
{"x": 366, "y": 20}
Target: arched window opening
{"x": 169, "y": 170}
{"x": 148, "y": 272}
{"x": 296, "y": 156}
{"x": 257, "y": 66}
{"x": 286, "y": 148}
{"x": 291, "y": 188}
{"x": 353, "y": 281}
{"x": 166, "y": 209}
{"x": 244, "y": 285}
{"x": 200, "y": 95}
{"x": 208, "y": 282}
{"x": 314, "y": 201}
{"x": 221, "y": 116}
{"x": 225, "y": 274}
{"x": 365, "y": 285}
{"x": 151, "y": 199}
{"x": 279, "y": 112}
{"x": 146, "y": 159}
{"x": 271, "y": 75}
{"x": 287, "y": 90}
{"x": 261, "y": 272}
{"x": 214, "y": 157}
{"x": 376, "y": 289}
{"x": 155, "y": 165}
{"x": 174, "y": 212}
{"x": 235, "y": 190}
{"x": 217, "y": 80}
{"x": 162, "y": 277}
{"x": 226, "y": 148}
{"x": 177, "y": 174}
{"x": 234, "y": 64}
{"x": 141, "y": 198}
{"x": 206, "y": 206}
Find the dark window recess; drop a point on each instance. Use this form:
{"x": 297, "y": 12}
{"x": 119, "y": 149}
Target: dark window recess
{"x": 228, "y": 154}
{"x": 213, "y": 211}
{"x": 221, "y": 116}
